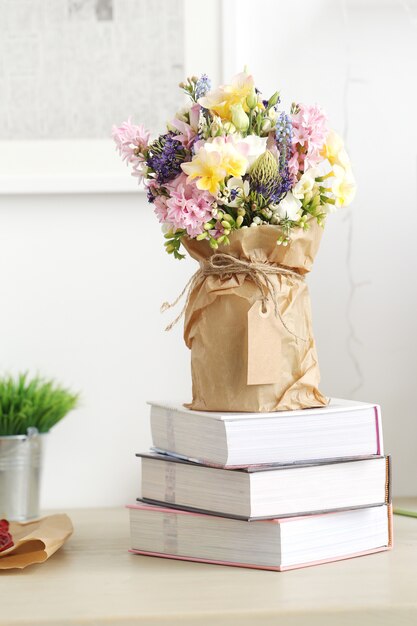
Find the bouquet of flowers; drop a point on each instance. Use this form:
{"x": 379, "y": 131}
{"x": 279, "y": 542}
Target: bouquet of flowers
{"x": 231, "y": 159}
{"x": 245, "y": 188}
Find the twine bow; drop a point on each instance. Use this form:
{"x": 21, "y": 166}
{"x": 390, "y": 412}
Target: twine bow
{"x": 224, "y": 265}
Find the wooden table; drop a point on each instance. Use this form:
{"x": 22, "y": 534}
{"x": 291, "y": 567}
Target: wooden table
{"x": 93, "y": 580}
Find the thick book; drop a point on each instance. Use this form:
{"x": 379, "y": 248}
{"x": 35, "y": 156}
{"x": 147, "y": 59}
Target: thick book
{"x": 265, "y": 491}
{"x": 343, "y": 429}
{"x": 277, "y": 544}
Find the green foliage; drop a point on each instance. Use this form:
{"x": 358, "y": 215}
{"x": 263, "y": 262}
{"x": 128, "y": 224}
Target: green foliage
{"x": 189, "y": 87}
{"x": 36, "y": 403}
{"x": 173, "y": 243}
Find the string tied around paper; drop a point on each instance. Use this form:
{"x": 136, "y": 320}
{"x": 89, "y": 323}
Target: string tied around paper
{"x": 225, "y": 265}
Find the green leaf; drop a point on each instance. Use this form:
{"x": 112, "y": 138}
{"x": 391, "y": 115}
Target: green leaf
{"x": 35, "y": 403}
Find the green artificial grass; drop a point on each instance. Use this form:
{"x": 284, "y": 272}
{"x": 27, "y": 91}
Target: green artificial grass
{"x": 32, "y": 403}
{"x": 406, "y": 512}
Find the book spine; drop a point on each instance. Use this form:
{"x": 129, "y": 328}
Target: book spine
{"x": 378, "y": 428}
{"x": 388, "y": 481}
{"x": 390, "y": 527}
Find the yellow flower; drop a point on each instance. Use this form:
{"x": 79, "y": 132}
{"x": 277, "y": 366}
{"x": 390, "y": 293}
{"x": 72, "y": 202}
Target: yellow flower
{"x": 224, "y": 97}
{"x": 232, "y": 160}
{"x": 343, "y": 186}
{"x": 214, "y": 162}
{"x": 333, "y": 145}
{"x": 208, "y": 168}
{"x": 334, "y": 151}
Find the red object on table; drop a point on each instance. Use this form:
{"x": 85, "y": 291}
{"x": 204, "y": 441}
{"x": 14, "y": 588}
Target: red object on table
{"x": 6, "y": 540}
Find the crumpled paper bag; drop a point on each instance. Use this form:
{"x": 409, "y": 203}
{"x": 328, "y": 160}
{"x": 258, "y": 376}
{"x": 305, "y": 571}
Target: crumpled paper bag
{"x": 223, "y": 359}
{"x": 35, "y": 542}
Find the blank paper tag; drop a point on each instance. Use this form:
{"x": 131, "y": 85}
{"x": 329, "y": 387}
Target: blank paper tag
{"x": 264, "y": 345}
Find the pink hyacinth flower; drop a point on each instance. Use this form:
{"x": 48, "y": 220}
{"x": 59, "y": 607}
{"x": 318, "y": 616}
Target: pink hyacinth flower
{"x": 294, "y": 166}
{"x": 309, "y": 135}
{"x": 131, "y": 140}
{"x": 160, "y": 209}
{"x": 188, "y": 208}
{"x": 187, "y": 132}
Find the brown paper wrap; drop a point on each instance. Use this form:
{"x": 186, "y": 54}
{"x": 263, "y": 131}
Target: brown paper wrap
{"x": 216, "y": 327}
{"x": 35, "y": 542}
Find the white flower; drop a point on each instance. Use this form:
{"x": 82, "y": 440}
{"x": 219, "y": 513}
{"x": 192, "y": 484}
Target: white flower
{"x": 266, "y": 126}
{"x": 236, "y": 190}
{"x": 257, "y": 146}
{"x": 329, "y": 208}
{"x": 216, "y": 126}
{"x": 229, "y": 128}
{"x": 203, "y": 129}
{"x": 343, "y": 160}
{"x": 289, "y": 208}
{"x": 273, "y": 114}
{"x": 183, "y": 113}
{"x": 239, "y": 185}
{"x": 306, "y": 184}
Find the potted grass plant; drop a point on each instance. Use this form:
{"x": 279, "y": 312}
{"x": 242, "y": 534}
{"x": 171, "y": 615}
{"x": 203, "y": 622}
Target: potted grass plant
{"x": 29, "y": 408}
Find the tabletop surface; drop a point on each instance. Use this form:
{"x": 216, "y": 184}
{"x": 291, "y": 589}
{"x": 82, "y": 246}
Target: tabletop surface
{"x": 94, "y": 580}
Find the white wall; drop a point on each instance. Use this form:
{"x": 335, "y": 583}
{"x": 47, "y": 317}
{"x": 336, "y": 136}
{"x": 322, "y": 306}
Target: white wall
{"x": 82, "y": 276}
{"x": 82, "y": 279}
{"x": 355, "y": 58}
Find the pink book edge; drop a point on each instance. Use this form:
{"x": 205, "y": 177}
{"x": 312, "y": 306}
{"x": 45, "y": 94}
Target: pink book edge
{"x": 261, "y": 567}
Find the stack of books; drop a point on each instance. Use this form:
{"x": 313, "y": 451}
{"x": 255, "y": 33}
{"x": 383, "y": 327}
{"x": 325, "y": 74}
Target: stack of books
{"x": 264, "y": 490}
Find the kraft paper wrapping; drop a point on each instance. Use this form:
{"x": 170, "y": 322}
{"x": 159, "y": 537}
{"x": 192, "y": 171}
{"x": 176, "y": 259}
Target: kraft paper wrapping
{"x": 35, "y": 542}
{"x": 216, "y": 327}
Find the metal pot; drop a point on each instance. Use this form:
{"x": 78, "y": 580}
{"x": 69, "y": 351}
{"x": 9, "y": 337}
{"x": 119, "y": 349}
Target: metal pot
{"x": 20, "y": 475}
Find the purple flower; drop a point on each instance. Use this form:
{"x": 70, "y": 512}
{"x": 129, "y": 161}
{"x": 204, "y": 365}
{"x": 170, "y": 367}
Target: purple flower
{"x": 283, "y": 136}
{"x": 274, "y": 190}
{"x": 203, "y": 85}
{"x": 165, "y": 156}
